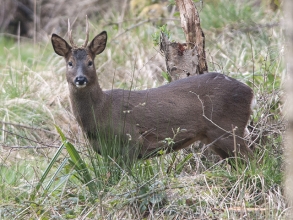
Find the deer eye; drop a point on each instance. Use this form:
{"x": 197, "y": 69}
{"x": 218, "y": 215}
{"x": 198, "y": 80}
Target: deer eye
{"x": 70, "y": 64}
{"x": 90, "y": 63}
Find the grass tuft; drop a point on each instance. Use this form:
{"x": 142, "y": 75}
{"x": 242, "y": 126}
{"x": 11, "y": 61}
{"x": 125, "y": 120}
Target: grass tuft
{"x": 49, "y": 174}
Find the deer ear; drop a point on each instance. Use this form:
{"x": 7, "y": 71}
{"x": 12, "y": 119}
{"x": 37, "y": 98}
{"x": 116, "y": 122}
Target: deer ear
{"x": 61, "y": 47}
{"x": 98, "y": 44}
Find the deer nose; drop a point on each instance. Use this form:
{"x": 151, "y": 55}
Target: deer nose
{"x": 80, "y": 81}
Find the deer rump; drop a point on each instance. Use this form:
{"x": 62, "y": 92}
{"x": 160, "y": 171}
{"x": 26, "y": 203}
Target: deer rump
{"x": 206, "y": 107}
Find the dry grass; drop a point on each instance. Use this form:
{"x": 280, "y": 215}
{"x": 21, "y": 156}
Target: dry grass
{"x": 34, "y": 98}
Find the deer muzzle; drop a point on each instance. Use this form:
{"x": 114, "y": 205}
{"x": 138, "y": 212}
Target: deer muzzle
{"x": 80, "y": 81}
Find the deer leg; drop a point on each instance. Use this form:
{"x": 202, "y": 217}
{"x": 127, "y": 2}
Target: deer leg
{"x": 229, "y": 146}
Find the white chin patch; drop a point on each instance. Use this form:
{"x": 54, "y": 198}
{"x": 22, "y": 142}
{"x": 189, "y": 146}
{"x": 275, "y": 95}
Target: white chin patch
{"x": 80, "y": 86}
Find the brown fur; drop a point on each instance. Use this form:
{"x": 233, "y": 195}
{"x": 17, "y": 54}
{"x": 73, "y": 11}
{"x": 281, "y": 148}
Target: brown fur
{"x": 203, "y": 108}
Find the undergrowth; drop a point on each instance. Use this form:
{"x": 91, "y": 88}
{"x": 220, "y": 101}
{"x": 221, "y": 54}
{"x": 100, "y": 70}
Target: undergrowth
{"x": 49, "y": 173}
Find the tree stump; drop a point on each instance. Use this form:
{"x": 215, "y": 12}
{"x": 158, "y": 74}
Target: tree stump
{"x": 180, "y": 61}
{"x": 186, "y": 59}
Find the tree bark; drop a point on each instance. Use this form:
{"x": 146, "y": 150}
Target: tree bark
{"x": 190, "y": 23}
{"x": 180, "y": 61}
{"x": 186, "y": 59}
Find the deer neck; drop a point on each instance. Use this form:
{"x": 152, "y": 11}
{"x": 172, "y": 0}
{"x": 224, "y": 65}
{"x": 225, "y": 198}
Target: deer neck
{"x": 87, "y": 104}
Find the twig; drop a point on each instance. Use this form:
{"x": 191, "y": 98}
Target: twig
{"x": 27, "y": 127}
{"x": 29, "y": 147}
{"x": 31, "y": 128}
{"x": 137, "y": 25}
{"x": 203, "y": 114}
{"x": 15, "y": 36}
{"x": 255, "y": 27}
{"x": 206, "y": 146}
{"x": 139, "y": 19}
{"x": 41, "y": 143}
{"x": 130, "y": 28}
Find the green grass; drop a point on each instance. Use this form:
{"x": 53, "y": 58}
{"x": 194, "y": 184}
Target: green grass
{"x": 45, "y": 174}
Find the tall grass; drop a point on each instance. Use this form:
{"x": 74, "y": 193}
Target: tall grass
{"x": 47, "y": 173}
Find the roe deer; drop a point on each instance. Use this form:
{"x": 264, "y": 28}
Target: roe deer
{"x": 211, "y": 108}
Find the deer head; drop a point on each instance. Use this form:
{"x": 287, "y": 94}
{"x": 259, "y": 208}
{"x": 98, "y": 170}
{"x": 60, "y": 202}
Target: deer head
{"x": 80, "y": 66}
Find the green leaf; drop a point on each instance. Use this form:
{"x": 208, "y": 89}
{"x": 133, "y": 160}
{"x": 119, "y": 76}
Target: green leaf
{"x": 45, "y": 174}
{"x": 78, "y": 164}
{"x": 181, "y": 164}
{"x": 167, "y": 76}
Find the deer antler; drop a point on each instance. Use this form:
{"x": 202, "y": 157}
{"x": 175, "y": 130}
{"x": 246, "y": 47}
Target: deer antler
{"x": 87, "y": 33}
{"x": 70, "y": 36}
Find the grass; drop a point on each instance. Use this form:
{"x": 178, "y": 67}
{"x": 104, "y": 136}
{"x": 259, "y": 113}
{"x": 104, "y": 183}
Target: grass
{"x": 50, "y": 174}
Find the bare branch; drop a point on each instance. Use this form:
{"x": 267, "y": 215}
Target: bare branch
{"x": 26, "y": 138}
{"x": 32, "y": 128}
{"x": 30, "y": 147}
